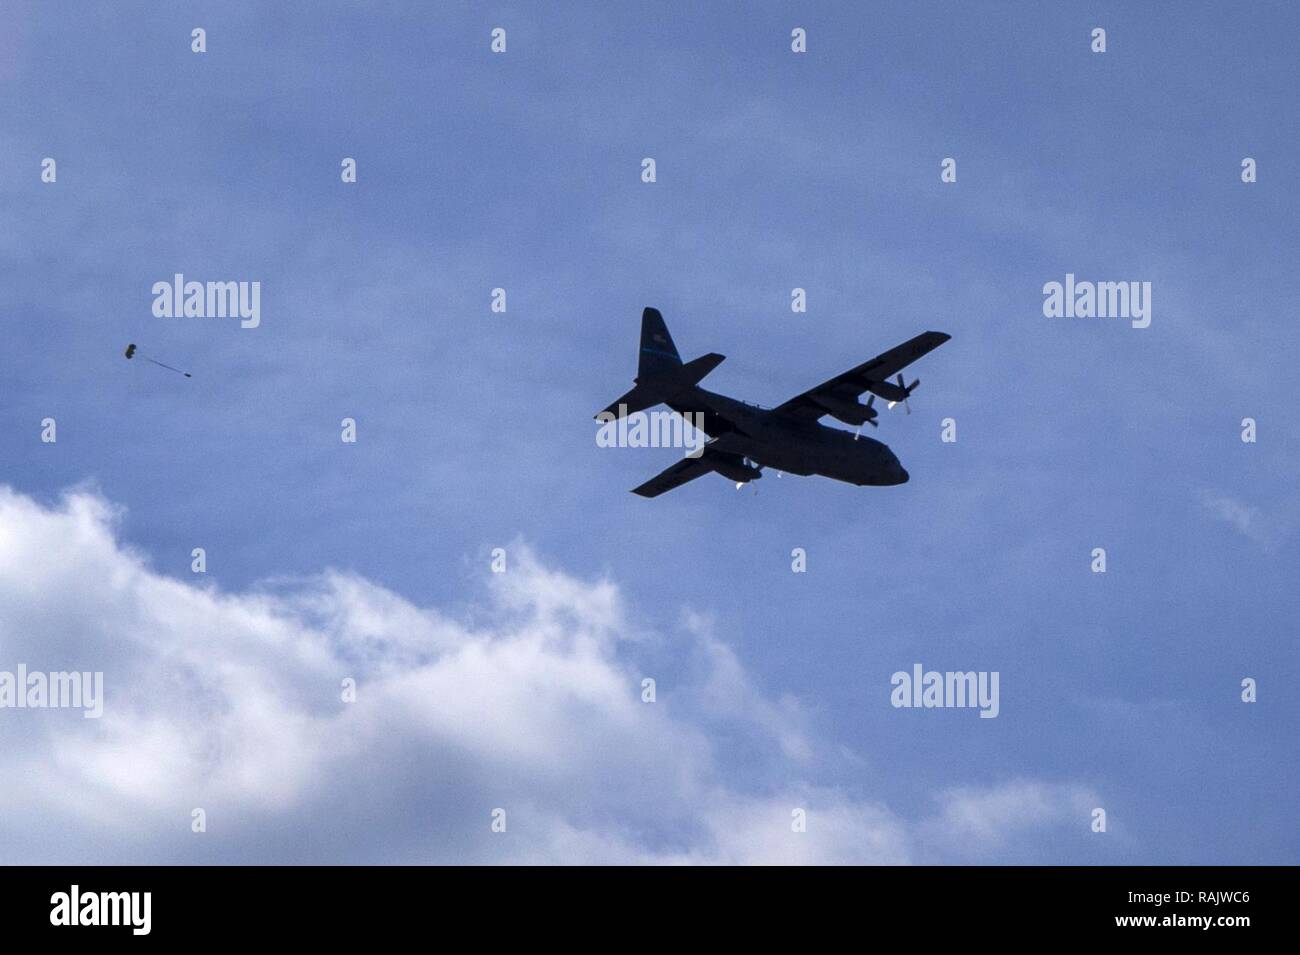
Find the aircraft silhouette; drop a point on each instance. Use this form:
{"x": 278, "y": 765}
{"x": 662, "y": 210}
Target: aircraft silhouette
{"x": 745, "y": 438}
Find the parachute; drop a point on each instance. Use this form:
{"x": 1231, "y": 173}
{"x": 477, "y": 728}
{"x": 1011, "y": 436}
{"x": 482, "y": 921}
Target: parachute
{"x": 130, "y": 353}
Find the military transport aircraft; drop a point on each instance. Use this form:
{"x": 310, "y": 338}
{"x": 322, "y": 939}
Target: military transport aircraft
{"x": 745, "y": 438}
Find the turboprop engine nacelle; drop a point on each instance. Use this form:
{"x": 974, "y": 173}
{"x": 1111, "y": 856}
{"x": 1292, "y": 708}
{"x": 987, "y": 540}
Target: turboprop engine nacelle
{"x": 740, "y": 471}
{"x": 850, "y": 412}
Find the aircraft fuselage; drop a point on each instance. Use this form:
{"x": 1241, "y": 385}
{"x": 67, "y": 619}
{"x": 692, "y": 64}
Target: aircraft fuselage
{"x": 775, "y": 441}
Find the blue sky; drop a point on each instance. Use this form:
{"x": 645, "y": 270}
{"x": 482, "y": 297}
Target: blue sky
{"x": 775, "y": 171}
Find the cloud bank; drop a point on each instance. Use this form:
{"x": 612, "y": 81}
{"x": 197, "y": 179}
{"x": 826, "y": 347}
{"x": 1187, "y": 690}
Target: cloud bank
{"x": 529, "y": 702}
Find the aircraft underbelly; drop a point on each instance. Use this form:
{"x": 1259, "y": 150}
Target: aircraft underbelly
{"x": 852, "y": 464}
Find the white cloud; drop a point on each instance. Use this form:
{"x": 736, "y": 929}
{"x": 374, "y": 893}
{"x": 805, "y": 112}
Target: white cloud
{"x": 977, "y": 822}
{"x": 1246, "y": 519}
{"x": 231, "y": 702}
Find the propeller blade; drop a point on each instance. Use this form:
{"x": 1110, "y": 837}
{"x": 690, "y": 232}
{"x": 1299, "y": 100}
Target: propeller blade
{"x": 907, "y": 392}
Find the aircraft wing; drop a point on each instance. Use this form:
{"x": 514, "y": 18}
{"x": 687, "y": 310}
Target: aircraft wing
{"x": 719, "y": 455}
{"x": 687, "y": 469}
{"x": 850, "y": 385}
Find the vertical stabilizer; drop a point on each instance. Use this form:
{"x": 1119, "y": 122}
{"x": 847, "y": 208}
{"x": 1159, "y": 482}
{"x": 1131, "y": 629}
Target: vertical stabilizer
{"x": 658, "y": 353}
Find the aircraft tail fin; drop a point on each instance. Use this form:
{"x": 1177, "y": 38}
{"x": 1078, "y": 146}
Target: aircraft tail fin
{"x": 658, "y": 353}
{"x": 660, "y": 372}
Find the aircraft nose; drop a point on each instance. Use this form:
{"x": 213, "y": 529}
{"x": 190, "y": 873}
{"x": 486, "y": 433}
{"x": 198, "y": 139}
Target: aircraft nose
{"x": 897, "y": 471}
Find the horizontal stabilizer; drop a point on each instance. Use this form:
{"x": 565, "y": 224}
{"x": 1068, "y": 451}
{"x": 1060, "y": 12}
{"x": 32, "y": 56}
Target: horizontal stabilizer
{"x": 638, "y": 399}
{"x": 693, "y": 372}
